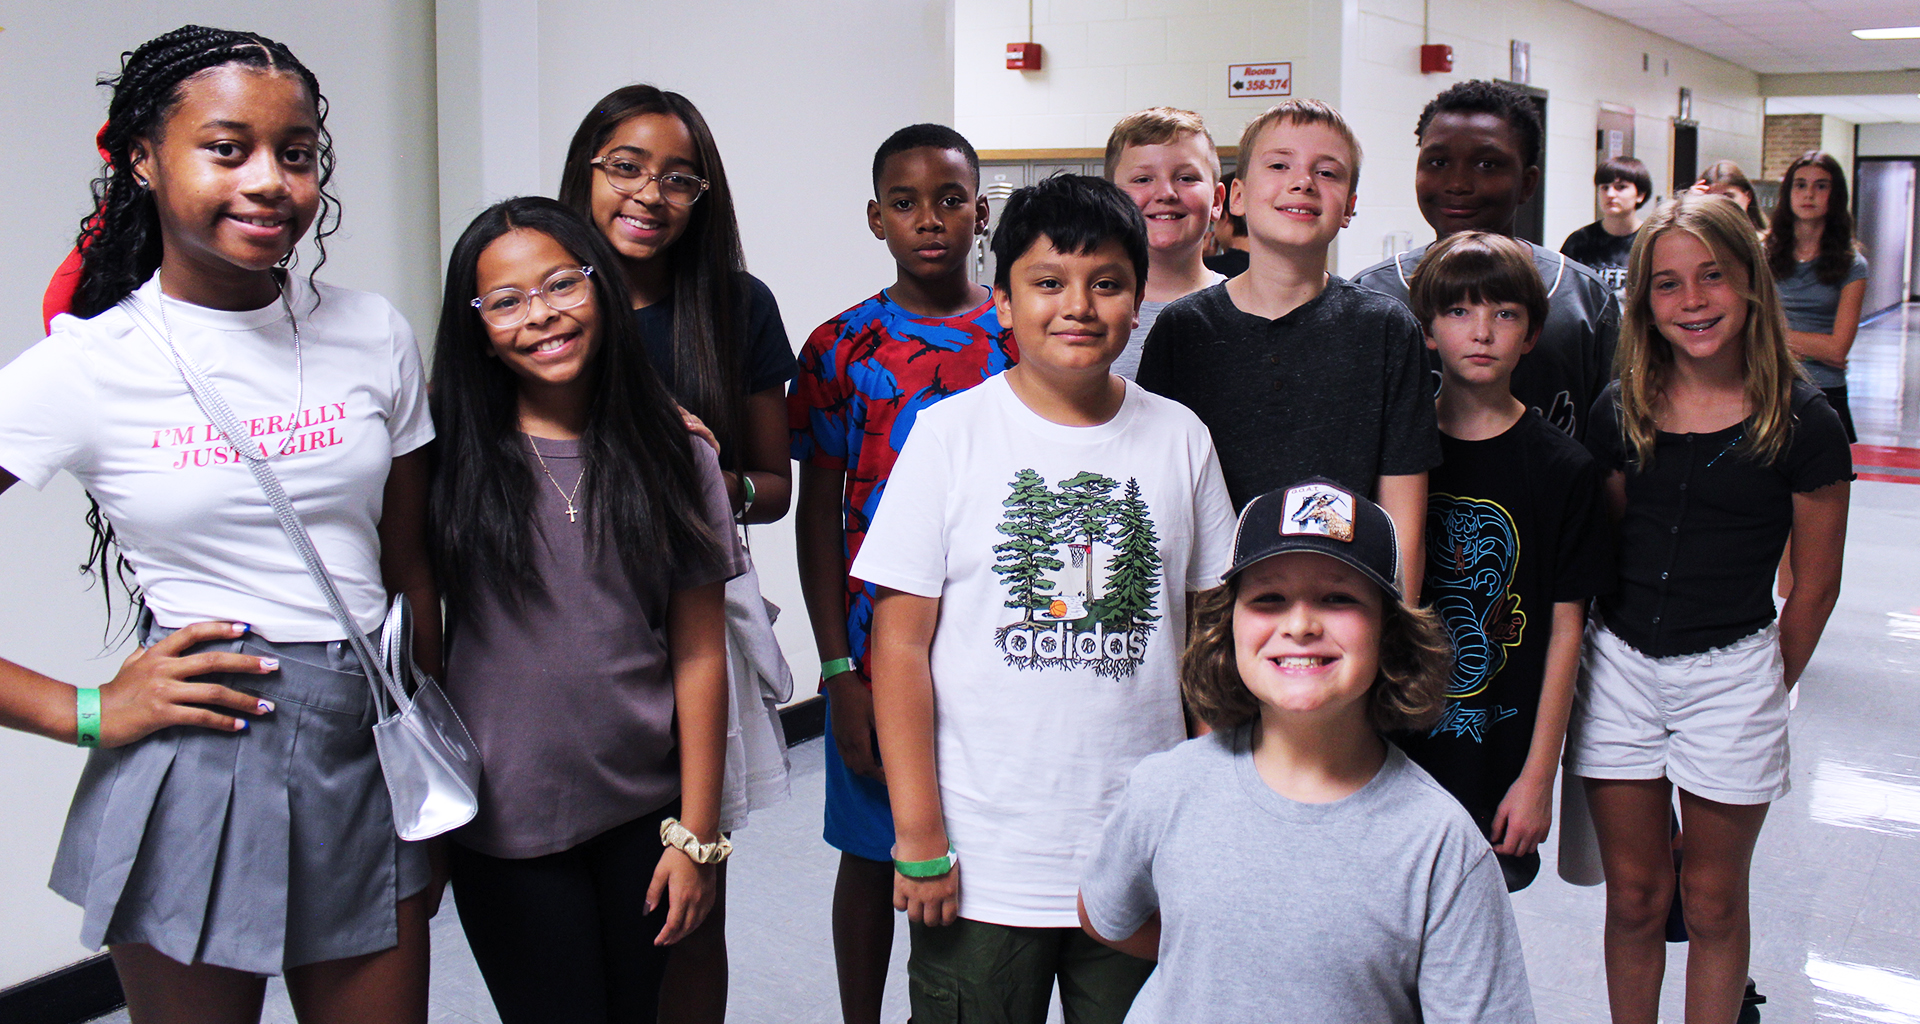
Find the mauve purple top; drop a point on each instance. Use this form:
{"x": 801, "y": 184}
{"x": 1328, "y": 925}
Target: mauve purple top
{"x": 569, "y": 693}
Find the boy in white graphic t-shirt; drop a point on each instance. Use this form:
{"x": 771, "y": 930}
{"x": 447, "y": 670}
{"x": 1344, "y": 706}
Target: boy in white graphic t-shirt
{"x": 1034, "y": 553}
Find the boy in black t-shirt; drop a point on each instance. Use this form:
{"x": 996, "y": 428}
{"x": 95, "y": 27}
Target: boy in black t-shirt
{"x": 1298, "y": 373}
{"x": 1623, "y": 187}
{"x": 1515, "y": 545}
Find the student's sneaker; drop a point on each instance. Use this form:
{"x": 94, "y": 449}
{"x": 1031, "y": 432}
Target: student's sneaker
{"x": 1750, "y": 1005}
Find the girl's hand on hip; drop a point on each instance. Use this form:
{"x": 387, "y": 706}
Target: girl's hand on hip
{"x": 152, "y": 692}
{"x": 931, "y": 901}
{"x": 688, "y": 888}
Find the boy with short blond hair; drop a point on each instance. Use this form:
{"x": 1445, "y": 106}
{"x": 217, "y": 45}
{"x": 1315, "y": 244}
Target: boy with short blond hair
{"x": 1299, "y": 373}
{"x": 1163, "y": 158}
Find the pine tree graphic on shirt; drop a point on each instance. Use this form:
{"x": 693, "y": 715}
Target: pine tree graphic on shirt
{"x": 1082, "y": 568}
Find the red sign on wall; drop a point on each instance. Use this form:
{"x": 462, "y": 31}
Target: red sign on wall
{"x": 1270, "y": 79}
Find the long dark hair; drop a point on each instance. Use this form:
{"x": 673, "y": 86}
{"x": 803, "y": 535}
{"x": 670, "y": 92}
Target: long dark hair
{"x": 1836, "y": 237}
{"x": 119, "y": 241}
{"x": 639, "y": 489}
{"x": 706, "y": 265}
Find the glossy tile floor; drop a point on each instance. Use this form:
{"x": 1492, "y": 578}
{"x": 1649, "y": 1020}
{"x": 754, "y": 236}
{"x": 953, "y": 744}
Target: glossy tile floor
{"x": 1836, "y": 879}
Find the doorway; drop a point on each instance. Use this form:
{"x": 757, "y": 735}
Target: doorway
{"x": 1883, "y": 211}
{"x": 1531, "y": 221}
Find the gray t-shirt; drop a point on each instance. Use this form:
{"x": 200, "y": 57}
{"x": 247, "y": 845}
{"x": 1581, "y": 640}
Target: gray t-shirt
{"x": 1385, "y": 906}
{"x": 1128, "y": 364}
{"x": 1811, "y": 304}
{"x": 569, "y": 693}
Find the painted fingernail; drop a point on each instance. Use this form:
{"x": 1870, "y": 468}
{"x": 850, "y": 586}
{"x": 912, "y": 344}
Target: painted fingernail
{"x": 239, "y": 724}
{"x": 269, "y": 664}
{"x": 241, "y": 628}
{"x": 265, "y": 706}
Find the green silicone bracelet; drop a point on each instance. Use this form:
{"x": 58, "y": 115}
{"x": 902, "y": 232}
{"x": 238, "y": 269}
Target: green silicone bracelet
{"x": 929, "y": 868}
{"x": 829, "y": 669}
{"x": 86, "y": 708}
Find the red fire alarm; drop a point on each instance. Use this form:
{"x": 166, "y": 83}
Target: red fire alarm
{"x": 1023, "y": 56}
{"x": 1433, "y": 57}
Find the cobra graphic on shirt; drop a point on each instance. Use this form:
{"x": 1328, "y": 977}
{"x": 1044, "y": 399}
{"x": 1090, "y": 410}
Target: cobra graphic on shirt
{"x": 1470, "y": 562}
{"x": 1081, "y": 569}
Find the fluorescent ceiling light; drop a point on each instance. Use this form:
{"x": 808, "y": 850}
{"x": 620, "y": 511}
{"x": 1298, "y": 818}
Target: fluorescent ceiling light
{"x": 1910, "y": 32}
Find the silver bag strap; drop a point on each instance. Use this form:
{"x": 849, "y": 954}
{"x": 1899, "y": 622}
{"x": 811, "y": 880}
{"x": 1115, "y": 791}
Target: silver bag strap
{"x": 221, "y": 416}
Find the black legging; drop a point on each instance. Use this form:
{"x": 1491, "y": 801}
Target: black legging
{"x": 565, "y": 938}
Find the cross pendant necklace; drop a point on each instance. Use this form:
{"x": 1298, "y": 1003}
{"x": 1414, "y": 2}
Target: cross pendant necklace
{"x": 573, "y": 513}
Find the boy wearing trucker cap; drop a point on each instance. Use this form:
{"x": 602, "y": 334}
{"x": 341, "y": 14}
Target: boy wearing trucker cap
{"x": 1293, "y": 857}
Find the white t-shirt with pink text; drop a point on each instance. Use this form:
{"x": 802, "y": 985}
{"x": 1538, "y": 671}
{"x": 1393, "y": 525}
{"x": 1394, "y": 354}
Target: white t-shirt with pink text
{"x": 101, "y": 399}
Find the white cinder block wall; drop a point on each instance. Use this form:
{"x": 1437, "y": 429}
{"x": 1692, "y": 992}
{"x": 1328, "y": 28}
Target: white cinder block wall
{"x": 1104, "y": 59}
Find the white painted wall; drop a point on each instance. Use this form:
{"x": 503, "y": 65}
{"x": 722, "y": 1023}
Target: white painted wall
{"x": 374, "y": 59}
{"x": 1836, "y": 137}
{"x": 1580, "y": 57}
{"x": 1889, "y": 140}
{"x": 1104, "y": 59}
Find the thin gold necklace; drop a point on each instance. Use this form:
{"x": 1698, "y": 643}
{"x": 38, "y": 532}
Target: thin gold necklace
{"x": 573, "y": 514}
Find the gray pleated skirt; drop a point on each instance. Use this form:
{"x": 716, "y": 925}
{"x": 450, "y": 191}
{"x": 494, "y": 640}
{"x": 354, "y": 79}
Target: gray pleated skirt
{"x": 260, "y": 850}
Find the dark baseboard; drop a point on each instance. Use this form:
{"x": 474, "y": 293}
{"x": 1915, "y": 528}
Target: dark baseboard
{"x": 804, "y": 720}
{"x": 74, "y": 993}
{"x": 89, "y": 989}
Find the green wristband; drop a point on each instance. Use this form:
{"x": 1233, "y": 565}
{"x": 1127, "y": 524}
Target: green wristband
{"x": 86, "y": 708}
{"x": 929, "y": 868}
{"x": 829, "y": 669}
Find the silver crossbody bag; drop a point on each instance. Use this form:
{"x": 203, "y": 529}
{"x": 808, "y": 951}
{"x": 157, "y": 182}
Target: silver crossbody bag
{"x": 427, "y": 756}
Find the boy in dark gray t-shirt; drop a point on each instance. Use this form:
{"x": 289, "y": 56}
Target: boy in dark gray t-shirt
{"x": 1296, "y": 372}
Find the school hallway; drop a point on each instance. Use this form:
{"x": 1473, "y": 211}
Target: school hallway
{"x": 1836, "y": 878}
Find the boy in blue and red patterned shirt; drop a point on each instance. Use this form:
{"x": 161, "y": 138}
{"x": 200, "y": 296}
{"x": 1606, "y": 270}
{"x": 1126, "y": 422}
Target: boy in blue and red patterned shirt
{"x": 864, "y": 376}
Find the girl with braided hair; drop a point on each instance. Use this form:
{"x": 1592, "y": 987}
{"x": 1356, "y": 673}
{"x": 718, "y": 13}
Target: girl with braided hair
{"x": 232, "y": 821}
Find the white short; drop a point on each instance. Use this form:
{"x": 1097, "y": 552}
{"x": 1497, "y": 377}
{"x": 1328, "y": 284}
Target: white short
{"x": 1714, "y": 723}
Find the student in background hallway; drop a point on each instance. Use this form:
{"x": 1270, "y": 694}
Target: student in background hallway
{"x": 865, "y": 377}
{"x": 1164, "y": 160}
{"x": 1716, "y": 452}
{"x": 1724, "y": 178}
{"x": 1230, "y": 243}
{"x": 1821, "y": 275}
{"x": 1478, "y": 163}
{"x": 1623, "y": 187}
{"x": 643, "y": 168}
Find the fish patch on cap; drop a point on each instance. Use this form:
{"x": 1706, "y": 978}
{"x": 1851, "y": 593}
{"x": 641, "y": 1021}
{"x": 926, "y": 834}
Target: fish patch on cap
{"x": 1316, "y": 509}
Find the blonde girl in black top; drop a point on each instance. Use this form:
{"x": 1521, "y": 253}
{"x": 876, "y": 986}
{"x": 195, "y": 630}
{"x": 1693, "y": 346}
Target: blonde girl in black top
{"x": 1717, "y": 451}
